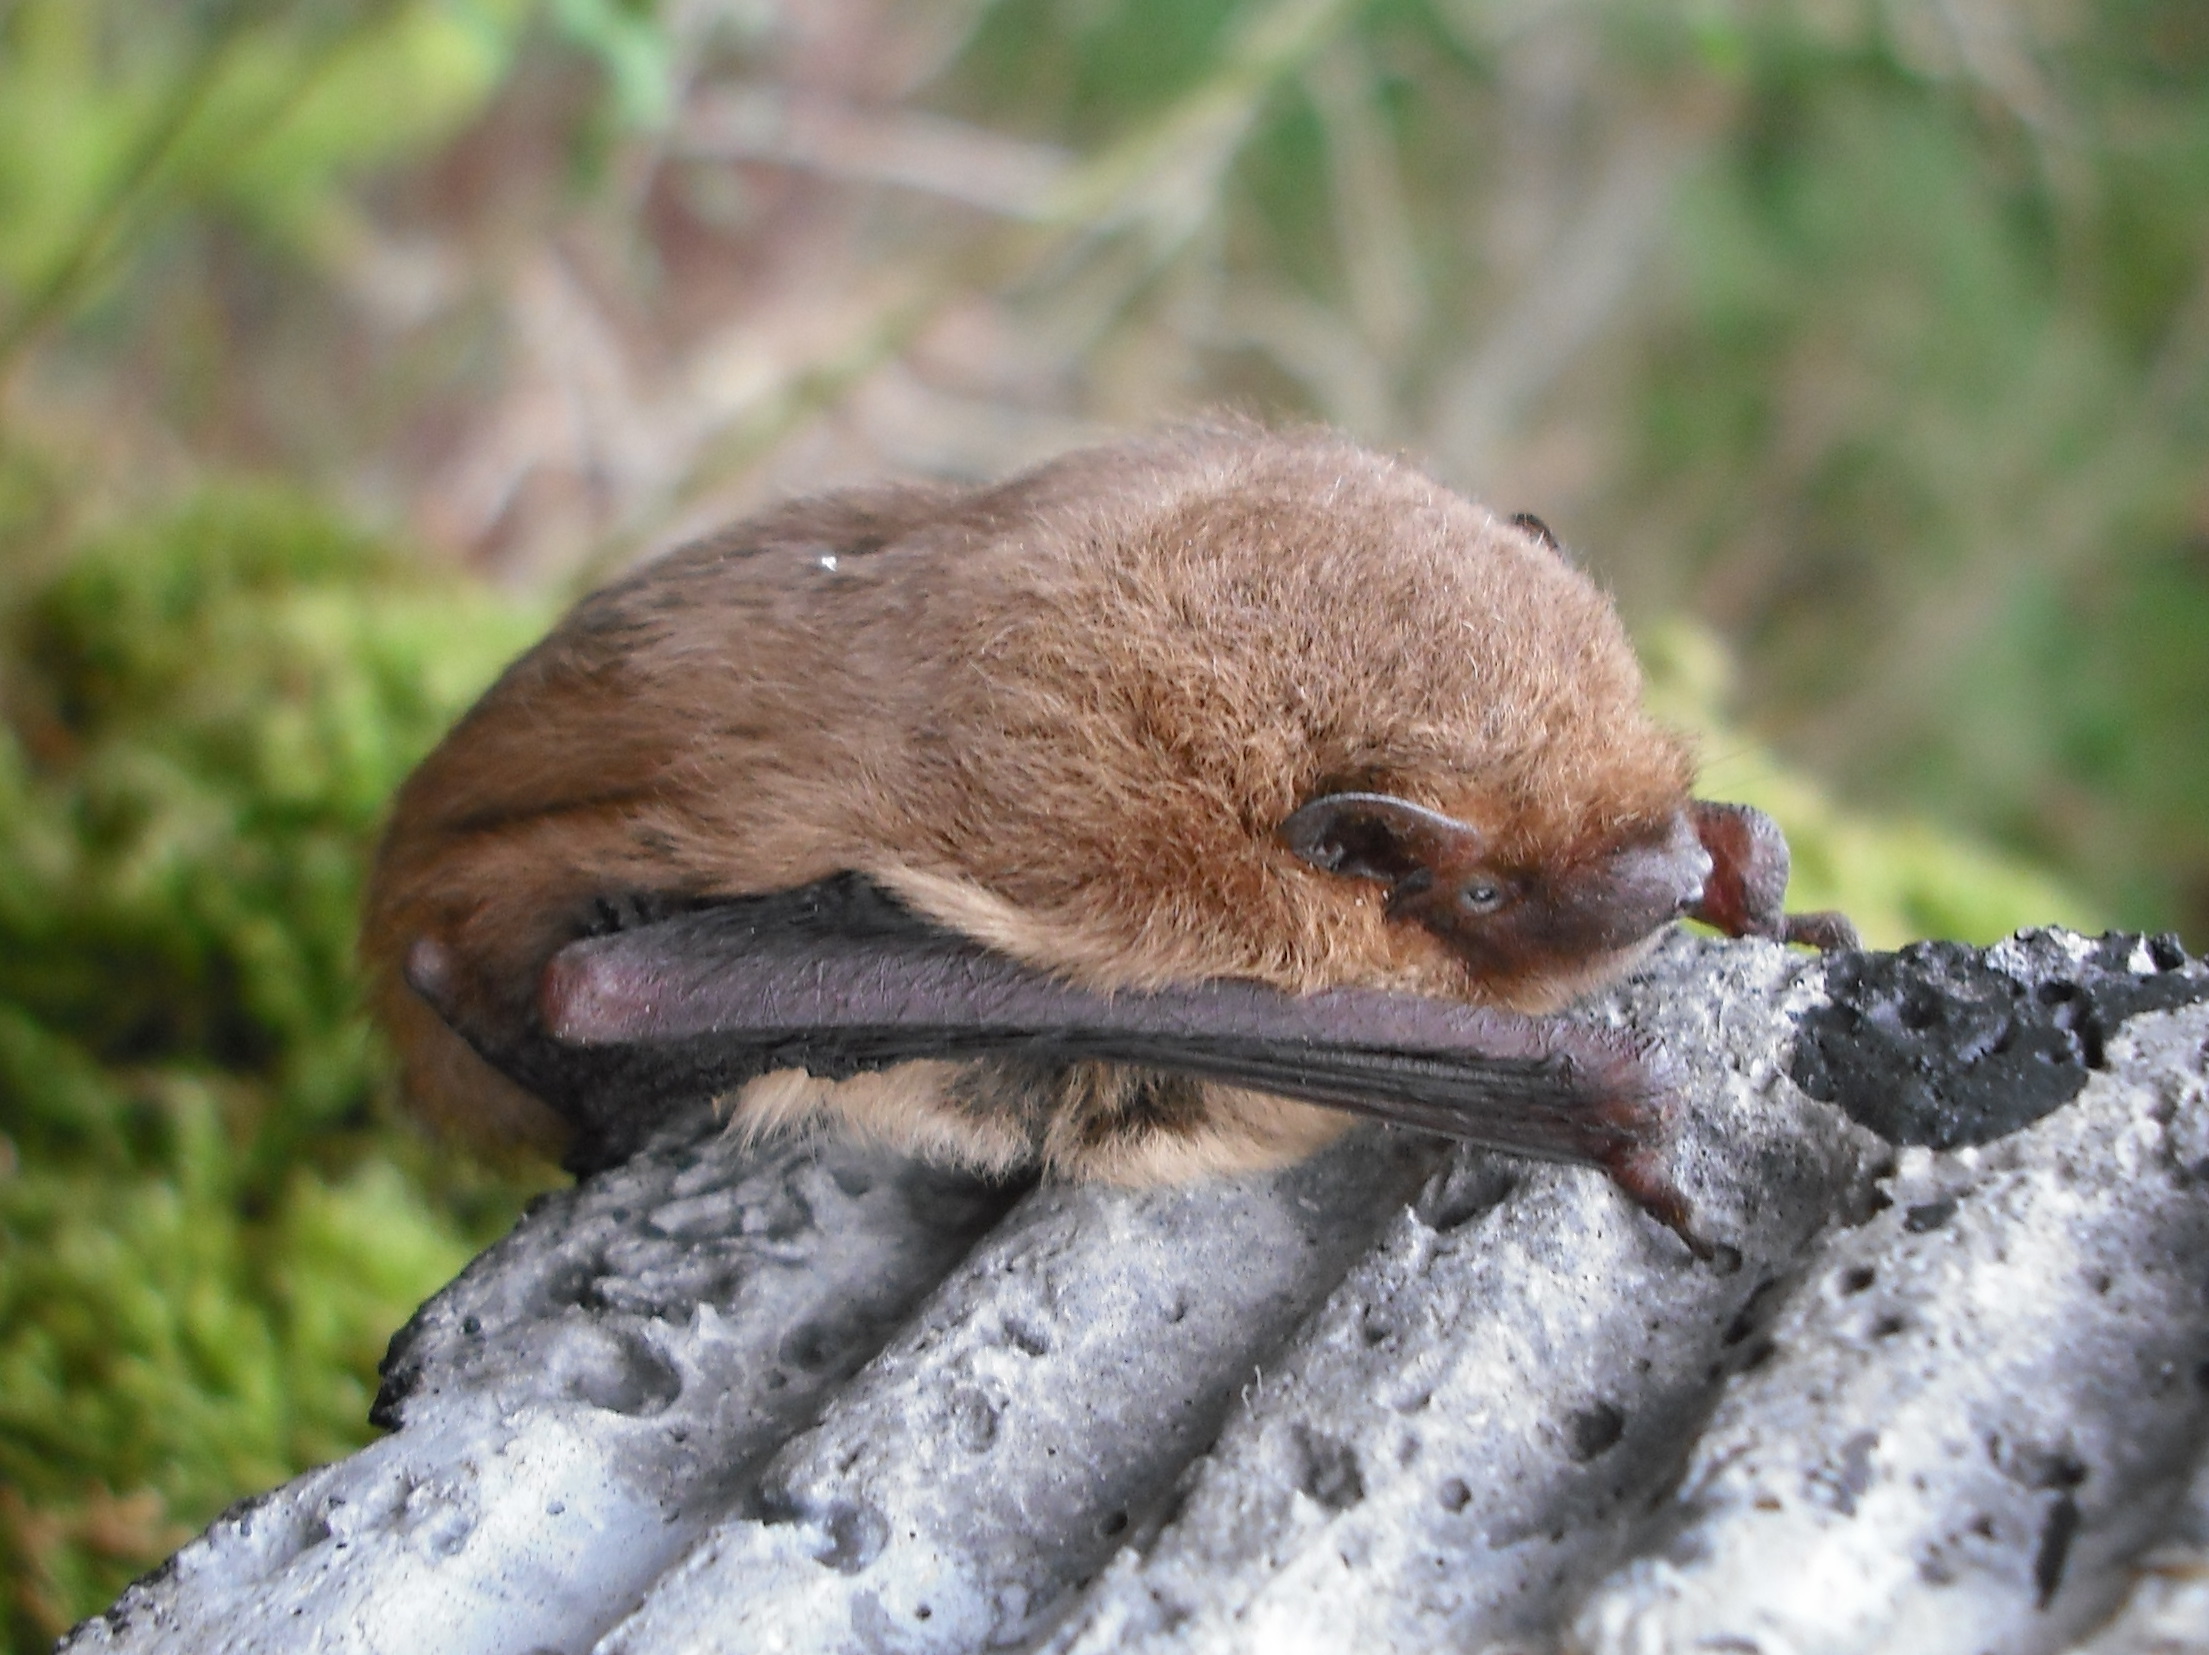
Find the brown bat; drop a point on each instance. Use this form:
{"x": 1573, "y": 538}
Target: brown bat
{"x": 1127, "y": 820}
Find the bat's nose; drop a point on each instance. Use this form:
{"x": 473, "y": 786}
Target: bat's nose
{"x": 1653, "y": 883}
{"x": 1674, "y": 868}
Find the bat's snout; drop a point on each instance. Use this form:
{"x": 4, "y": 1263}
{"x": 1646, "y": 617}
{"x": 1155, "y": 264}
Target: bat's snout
{"x": 1647, "y": 885}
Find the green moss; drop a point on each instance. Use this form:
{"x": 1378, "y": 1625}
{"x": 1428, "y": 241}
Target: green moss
{"x": 206, "y": 1236}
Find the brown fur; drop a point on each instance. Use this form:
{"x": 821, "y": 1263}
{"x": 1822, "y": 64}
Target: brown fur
{"x": 1063, "y": 715}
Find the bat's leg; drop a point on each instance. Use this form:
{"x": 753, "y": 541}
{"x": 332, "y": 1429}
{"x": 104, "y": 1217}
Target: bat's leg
{"x": 1644, "y": 1176}
{"x": 1746, "y": 894}
{"x": 1625, "y": 1127}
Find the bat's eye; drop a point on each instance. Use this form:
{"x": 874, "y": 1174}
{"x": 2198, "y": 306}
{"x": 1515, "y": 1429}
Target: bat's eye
{"x": 1481, "y": 897}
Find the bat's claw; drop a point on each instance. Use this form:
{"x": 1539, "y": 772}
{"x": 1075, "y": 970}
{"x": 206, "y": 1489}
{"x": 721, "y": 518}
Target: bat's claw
{"x": 1644, "y": 1176}
{"x": 1825, "y": 930}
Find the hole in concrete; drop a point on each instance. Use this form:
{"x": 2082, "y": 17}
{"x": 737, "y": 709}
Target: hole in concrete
{"x": 1753, "y": 1312}
{"x": 1857, "y": 1277}
{"x": 2056, "y": 1534}
{"x": 2060, "y": 1469}
{"x": 1929, "y": 1215}
{"x": 1115, "y": 1524}
{"x": 575, "y": 1283}
{"x": 856, "y": 1535}
{"x": 1454, "y": 1495}
{"x": 1888, "y": 1326}
{"x": 2037, "y": 1465}
{"x": 1593, "y": 1430}
{"x": 615, "y": 1370}
{"x": 1329, "y": 1470}
{"x": 1863, "y": 1199}
{"x": 1026, "y": 1337}
{"x": 1856, "y": 1474}
{"x": 973, "y": 1419}
{"x": 812, "y": 1346}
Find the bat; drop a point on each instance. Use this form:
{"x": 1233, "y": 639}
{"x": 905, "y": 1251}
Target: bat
{"x": 1145, "y": 816}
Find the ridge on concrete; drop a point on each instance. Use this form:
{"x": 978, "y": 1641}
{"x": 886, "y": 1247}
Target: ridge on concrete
{"x": 1947, "y": 1387}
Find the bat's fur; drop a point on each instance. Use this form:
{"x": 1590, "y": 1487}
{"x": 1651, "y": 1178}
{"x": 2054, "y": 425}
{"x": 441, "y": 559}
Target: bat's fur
{"x": 1063, "y": 715}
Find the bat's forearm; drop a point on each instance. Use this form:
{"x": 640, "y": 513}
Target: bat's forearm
{"x": 836, "y": 980}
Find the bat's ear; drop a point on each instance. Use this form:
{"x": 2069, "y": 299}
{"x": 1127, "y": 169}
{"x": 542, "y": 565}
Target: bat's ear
{"x": 1379, "y": 836}
{"x": 1527, "y": 523}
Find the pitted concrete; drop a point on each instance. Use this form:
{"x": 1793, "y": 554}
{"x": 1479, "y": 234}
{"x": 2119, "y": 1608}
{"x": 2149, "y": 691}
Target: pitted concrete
{"x": 1400, "y": 1398}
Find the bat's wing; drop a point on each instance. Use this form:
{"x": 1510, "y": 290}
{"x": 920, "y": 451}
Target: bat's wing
{"x": 835, "y": 978}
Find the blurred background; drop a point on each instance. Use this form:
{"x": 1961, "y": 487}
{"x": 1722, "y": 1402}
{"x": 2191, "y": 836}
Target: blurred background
{"x": 1860, "y": 346}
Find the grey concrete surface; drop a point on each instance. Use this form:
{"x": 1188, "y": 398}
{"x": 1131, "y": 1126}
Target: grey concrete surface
{"x": 1942, "y": 1394}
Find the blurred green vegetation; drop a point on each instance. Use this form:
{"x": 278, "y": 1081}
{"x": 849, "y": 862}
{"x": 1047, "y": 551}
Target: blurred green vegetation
{"x": 117, "y": 122}
{"x": 1864, "y": 344}
{"x": 206, "y": 1235}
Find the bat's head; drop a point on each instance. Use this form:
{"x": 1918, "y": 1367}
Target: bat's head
{"x": 1280, "y": 708}
{"x": 1539, "y": 927}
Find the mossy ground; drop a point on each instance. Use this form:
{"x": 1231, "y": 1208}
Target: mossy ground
{"x": 207, "y": 1230}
